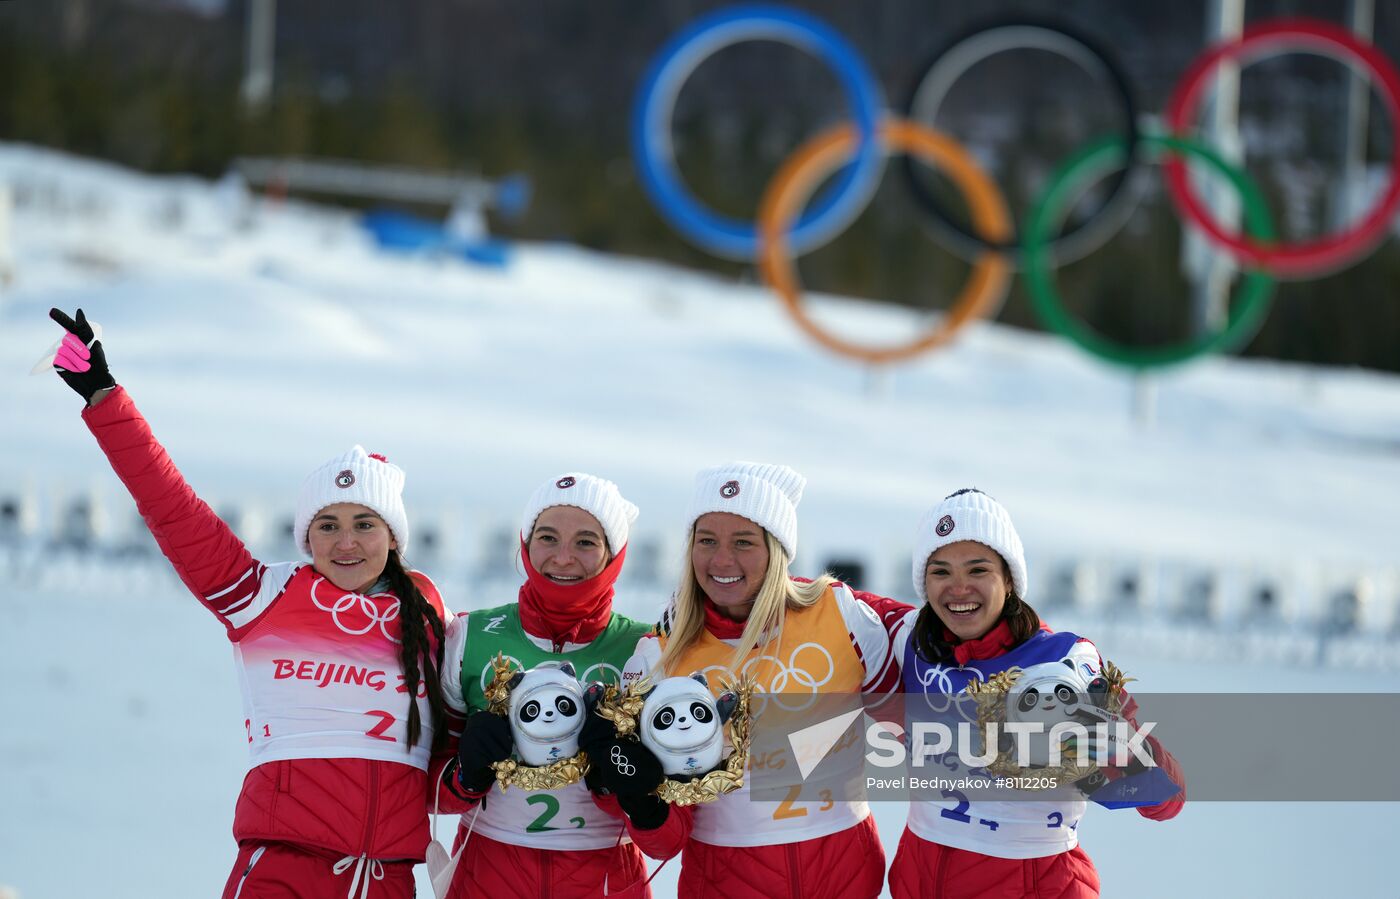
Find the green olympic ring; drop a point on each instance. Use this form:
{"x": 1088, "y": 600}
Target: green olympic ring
{"x": 1248, "y": 312}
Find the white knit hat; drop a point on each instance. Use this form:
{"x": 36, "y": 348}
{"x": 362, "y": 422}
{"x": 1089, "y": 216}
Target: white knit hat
{"x": 969, "y": 514}
{"x": 767, "y": 495}
{"x": 354, "y": 477}
{"x": 596, "y": 496}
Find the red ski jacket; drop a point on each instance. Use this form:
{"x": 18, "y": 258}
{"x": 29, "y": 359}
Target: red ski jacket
{"x": 357, "y": 792}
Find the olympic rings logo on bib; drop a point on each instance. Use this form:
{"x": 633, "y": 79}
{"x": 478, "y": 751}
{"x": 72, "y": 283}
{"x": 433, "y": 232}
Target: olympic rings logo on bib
{"x": 608, "y": 674}
{"x": 368, "y": 610}
{"x": 939, "y": 695}
{"x": 601, "y": 671}
{"x": 783, "y": 676}
{"x": 855, "y": 151}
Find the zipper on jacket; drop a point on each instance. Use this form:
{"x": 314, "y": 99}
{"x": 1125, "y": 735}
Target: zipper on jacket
{"x": 794, "y": 872}
{"x": 939, "y": 870}
{"x": 252, "y": 860}
{"x": 373, "y": 811}
{"x": 546, "y": 875}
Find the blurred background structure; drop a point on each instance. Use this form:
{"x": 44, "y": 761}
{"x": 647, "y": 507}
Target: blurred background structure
{"x": 421, "y": 227}
{"x": 495, "y": 88}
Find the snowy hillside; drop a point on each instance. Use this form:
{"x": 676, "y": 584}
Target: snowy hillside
{"x": 260, "y": 339}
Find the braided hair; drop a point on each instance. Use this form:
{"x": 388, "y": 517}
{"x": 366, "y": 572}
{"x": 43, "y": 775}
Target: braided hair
{"x": 416, "y": 616}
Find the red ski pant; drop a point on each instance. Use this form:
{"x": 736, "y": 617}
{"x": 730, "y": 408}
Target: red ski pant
{"x": 925, "y": 870}
{"x": 283, "y": 871}
{"x": 494, "y": 870}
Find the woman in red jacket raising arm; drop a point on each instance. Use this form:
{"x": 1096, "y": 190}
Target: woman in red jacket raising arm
{"x": 338, "y": 660}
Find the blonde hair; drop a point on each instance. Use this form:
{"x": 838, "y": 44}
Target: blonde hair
{"x": 778, "y": 593}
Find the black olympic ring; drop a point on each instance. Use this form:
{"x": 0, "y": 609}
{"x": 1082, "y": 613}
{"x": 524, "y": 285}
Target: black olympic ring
{"x": 970, "y": 47}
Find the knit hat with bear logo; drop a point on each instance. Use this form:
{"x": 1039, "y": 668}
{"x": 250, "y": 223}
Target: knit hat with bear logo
{"x": 969, "y": 514}
{"x": 353, "y": 477}
{"x": 596, "y": 496}
{"x": 767, "y": 495}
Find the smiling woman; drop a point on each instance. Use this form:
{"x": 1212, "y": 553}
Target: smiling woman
{"x": 567, "y": 545}
{"x": 738, "y": 610}
{"x": 560, "y": 843}
{"x": 348, "y": 541}
{"x": 970, "y": 570}
{"x": 337, "y": 787}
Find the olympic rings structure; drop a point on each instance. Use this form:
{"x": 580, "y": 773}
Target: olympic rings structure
{"x": 651, "y": 126}
{"x": 962, "y": 52}
{"x": 991, "y": 274}
{"x": 856, "y": 152}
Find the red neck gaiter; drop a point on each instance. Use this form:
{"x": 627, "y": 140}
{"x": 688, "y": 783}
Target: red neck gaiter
{"x": 567, "y": 613}
{"x": 720, "y": 625}
{"x": 993, "y": 643}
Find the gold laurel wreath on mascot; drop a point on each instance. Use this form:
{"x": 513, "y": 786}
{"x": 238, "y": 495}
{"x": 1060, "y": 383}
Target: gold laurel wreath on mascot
{"x": 624, "y": 707}
{"x": 991, "y": 696}
{"x": 510, "y": 773}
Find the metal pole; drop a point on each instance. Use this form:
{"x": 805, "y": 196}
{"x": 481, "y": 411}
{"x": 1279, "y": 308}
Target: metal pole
{"x": 1351, "y": 195}
{"x": 1212, "y": 272}
{"x": 258, "y": 65}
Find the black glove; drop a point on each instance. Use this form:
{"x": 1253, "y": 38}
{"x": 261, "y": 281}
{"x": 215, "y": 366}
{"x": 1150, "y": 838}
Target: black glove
{"x": 629, "y": 770}
{"x": 80, "y": 361}
{"x": 626, "y": 768}
{"x": 645, "y": 811}
{"x": 597, "y": 733}
{"x": 485, "y": 739}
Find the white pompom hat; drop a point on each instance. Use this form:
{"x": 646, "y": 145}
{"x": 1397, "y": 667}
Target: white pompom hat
{"x": 765, "y": 494}
{"x": 354, "y": 477}
{"x": 969, "y": 514}
{"x": 596, "y": 496}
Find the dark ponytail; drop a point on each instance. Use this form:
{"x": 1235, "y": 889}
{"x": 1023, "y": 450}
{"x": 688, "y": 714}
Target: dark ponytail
{"x": 416, "y": 616}
{"x": 933, "y": 648}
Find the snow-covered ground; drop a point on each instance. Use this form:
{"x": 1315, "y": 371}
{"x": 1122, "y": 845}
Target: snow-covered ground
{"x": 260, "y": 340}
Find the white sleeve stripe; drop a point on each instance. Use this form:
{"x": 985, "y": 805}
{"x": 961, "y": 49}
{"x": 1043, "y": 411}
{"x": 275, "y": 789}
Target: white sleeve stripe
{"x": 271, "y": 579}
{"x": 238, "y": 606}
{"x": 213, "y": 596}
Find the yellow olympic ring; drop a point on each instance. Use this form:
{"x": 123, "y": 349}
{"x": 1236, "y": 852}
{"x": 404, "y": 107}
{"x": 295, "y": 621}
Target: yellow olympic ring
{"x": 815, "y": 160}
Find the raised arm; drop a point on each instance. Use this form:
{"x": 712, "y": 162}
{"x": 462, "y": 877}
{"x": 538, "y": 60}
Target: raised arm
{"x": 209, "y": 558}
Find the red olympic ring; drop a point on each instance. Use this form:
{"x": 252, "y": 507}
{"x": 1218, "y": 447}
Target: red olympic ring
{"x": 1301, "y": 259}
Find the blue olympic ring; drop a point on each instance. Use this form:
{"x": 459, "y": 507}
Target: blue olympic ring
{"x": 651, "y": 128}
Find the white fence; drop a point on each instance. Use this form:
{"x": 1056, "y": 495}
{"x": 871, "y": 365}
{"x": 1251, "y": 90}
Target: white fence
{"x": 86, "y": 538}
